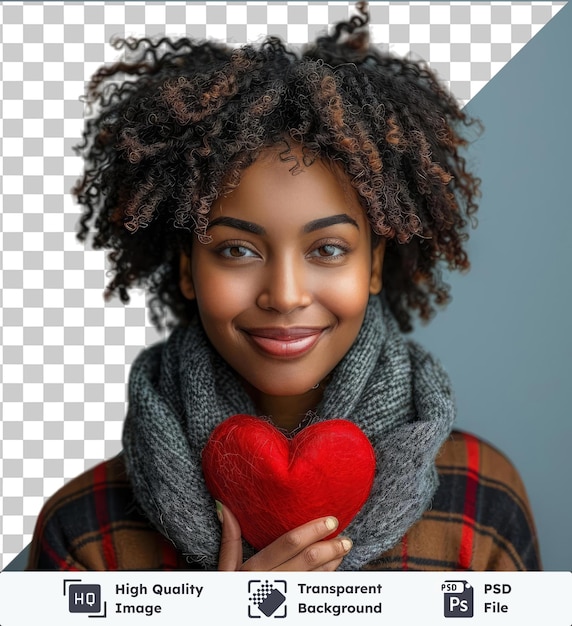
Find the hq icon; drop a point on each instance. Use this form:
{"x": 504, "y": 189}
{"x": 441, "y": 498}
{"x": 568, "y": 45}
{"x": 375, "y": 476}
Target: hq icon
{"x": 458, "y": 598}
{"x": 83, "y": 598}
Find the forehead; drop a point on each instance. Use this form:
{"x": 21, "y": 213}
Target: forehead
{"x": 279, "y": 182}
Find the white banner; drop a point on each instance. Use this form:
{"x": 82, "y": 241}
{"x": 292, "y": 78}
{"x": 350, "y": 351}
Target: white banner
{"x": 237, "y": 598}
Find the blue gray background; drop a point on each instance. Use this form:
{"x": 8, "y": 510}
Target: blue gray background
{"x": 506, "y": 337}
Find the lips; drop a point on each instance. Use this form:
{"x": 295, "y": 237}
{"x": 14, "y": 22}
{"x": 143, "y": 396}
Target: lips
{"x": 284, "y": 342}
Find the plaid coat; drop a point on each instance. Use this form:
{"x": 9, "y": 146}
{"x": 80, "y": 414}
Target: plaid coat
{"x": 479, "y": 520}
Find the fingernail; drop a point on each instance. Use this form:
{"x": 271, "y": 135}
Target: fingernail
{"x": 347, "y": 544}
{"x": 219, "y": 511}
{"x": 331, "y": 523}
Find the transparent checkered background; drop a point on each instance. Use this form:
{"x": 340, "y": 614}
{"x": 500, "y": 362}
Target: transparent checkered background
{"x": 65, "y": 356}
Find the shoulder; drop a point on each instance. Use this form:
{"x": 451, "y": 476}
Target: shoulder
{"x": 479, "y": 519}
{"x": 86, "y": 495}
{"x": 106, "y": 475}
{"x": 93, "y": 523}
{"x": 482, "y": 503}
{"x": 468, "y": 456}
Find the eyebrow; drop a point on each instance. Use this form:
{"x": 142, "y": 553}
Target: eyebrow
{"x": 324, "y": 222}
{"x": 234, "y": 222}
{"x": 310, "y": 227}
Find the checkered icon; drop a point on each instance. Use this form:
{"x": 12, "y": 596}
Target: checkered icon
{"x": 266, "y": 598}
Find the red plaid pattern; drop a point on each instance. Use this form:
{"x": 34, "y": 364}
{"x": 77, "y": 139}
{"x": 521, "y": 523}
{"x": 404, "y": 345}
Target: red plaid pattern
{"x": 479, "y": 520}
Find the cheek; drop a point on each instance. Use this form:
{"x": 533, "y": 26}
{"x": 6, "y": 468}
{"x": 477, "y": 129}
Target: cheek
{"x": 346, "y": 295}
{"x": 220, "y": 296}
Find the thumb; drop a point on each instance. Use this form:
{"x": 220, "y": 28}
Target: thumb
{"x": 230, "y": 553}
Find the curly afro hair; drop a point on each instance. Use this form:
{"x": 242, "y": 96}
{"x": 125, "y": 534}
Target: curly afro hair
{"x": 177, "y": 124}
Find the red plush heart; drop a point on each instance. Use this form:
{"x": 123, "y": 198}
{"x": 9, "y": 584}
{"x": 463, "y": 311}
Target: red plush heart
{"x": 273, "y": 484}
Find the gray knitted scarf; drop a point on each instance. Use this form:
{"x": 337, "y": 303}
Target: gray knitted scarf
{"x": 179, "y": 390}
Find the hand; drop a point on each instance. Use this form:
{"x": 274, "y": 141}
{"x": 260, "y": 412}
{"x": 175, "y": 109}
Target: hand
{"x": 300, "y": 550}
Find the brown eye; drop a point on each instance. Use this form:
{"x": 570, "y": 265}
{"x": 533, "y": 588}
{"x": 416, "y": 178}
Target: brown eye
{"x": 328, "y": 251}
{"x": 236, "y": 252}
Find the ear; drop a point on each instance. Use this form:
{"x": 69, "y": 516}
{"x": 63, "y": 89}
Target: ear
{"x": 186, "y": 277}
{"x": 377, "y": 255}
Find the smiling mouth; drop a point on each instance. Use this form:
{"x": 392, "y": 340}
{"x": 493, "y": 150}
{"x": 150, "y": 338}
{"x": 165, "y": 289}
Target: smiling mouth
{"x": 284, "y": 342}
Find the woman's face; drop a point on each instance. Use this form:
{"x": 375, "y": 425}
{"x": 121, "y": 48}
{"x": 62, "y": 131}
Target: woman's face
{"x": 283, "y": 286}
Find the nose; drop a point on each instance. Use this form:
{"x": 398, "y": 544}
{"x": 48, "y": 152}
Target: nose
{"x": 285, "y": 286}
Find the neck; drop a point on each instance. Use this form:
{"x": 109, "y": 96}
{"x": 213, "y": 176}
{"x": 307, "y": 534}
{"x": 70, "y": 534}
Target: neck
{"x": 286, "y": 411}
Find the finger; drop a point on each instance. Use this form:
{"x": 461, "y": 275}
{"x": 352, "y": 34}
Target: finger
{"x": 320, "y": 556}
{"x": 332, "y": 566}
{"x": 230, "y": 553}
{"x": 291, "y": 544}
